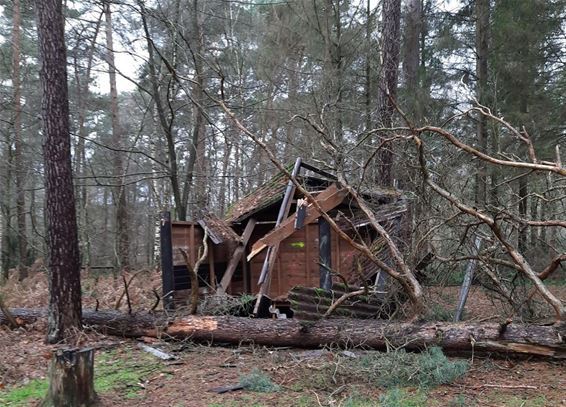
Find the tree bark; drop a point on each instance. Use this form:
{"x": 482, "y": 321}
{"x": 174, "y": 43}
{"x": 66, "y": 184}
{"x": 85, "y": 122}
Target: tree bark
{"x": 505, "y": 338}
{"x": 196, "y": 164}
{"x": 390, "y": 42}
{"x": 63, "y": 248}
{"x": 334, "y": 68}
{"x": 411, "y": 56}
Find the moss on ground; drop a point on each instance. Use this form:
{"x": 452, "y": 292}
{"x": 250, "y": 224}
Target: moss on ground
{"x": 113, "y": 371}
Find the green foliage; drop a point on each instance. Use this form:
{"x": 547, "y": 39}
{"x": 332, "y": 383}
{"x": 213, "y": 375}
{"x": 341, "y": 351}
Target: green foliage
{"x": 397, "y": 397}
{"x": 399, "y": 368}
{"x": 258, "y": 381}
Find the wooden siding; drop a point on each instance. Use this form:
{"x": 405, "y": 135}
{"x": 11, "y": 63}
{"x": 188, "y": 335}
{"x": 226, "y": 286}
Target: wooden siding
{"x": 297, "y": 261}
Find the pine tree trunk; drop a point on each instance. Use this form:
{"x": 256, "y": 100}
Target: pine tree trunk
{"x": 196, "y": 164}
{"x": 461, "y": 337}
{"x": 411, "y": 57}
{"x": 63, "y": 249}
{"x": 387, "y": 90}
{"x": 18, "y": 143}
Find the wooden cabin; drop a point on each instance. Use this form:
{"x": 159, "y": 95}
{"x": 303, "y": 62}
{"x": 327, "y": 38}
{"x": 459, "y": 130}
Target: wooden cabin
{"x": 273, "y": 239}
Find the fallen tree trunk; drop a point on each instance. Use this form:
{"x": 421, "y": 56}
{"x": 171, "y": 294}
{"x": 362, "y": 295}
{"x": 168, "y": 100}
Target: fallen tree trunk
{"x": 507, "y": 338}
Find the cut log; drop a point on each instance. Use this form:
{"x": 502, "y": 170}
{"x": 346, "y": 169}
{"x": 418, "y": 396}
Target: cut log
{"x": 506, "y": 338}
{"x": 71, "y": 379}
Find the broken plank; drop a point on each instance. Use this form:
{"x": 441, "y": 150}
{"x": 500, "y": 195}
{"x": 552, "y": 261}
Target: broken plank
{"x": 156, "y": 352}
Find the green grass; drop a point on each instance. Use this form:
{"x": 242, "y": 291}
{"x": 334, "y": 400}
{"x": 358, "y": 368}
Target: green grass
{"x": 21, "y": 395}
{"x": 516, "y": 401}
{"x": 112, "y": 372}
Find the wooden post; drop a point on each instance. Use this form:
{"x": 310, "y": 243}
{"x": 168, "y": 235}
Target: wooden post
{"x": 325, "y": 253}
{"x": 167, "y": 277}
{"x": 211, "y": 269}
{"x": 236, "y": 256}
{"x": 71, "y": 379}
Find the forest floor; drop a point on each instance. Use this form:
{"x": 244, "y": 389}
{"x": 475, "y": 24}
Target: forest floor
{"x": 125, "y": 375}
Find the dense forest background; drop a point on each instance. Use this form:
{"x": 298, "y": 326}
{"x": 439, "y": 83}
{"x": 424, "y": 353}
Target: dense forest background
{"x": 152, "y": 85}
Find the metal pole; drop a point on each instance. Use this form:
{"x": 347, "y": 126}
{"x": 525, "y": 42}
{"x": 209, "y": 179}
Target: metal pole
{"x": 283, "y": 212}
{"x": 467, "y": 283}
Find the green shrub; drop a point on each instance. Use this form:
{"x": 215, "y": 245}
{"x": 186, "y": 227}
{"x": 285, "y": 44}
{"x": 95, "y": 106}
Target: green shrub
{"x": 399, "y": 368}
{"x": 258, "y": 381}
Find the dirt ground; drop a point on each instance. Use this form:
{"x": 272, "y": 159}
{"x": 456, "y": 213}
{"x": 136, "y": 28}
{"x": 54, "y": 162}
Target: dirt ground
{"x": 125, "y": 375}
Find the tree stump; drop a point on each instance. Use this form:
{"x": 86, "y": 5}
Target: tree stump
{"x": 71, "y": 379}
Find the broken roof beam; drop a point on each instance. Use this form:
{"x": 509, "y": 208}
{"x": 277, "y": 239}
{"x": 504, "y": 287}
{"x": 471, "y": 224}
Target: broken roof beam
{"x": 328, "y": 199}
{"x": 319, "y": 171}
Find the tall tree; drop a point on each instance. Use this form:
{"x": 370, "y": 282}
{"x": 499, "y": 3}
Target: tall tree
{"x": 122, "y": 234}
{"x": 197, "y": 153}
{"x": 482, "y": 55}
{"x": 411, "y": 56}
{"x": 387, "y": 89}
{"x": 62, "y": 236}
{"x": 82, "y": 88}
{"x": 18, "y": 142}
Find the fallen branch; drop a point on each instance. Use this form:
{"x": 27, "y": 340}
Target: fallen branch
{"x": 193, "y": 271}
{"x": 506, "y": 386}
{"x": 125, "y": 292}
{"x": 343, "y": 298}
{"x": 12, "y": 323}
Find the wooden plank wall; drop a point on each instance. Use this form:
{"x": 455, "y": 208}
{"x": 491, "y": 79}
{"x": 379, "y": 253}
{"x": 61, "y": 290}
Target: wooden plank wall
{"x": 297, "y": 262}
